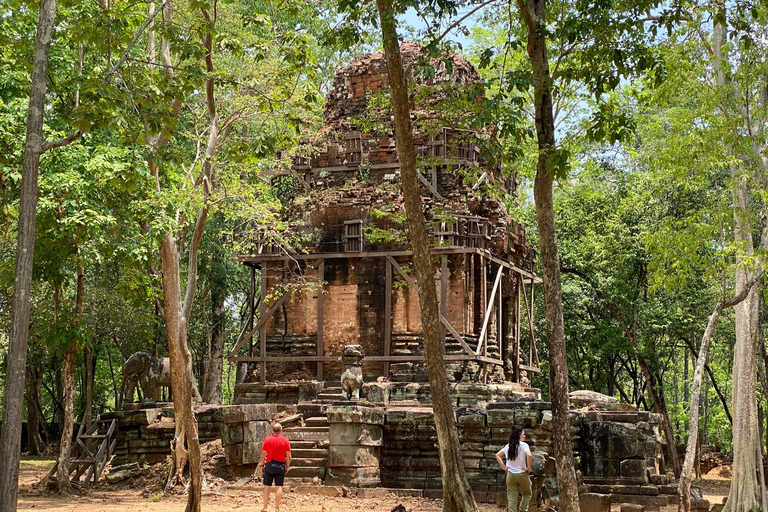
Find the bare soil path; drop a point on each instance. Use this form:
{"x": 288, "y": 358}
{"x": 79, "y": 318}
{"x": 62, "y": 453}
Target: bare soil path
{"x": 107, "y": 498}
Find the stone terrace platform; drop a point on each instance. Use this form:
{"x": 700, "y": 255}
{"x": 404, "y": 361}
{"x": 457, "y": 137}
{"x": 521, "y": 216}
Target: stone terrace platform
{"x": 388, "y": 440}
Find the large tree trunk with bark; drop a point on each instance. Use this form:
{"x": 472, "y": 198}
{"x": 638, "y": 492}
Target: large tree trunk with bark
{"x": 745, "y": 488}
{"x": 186, "y": 445}
{"x": 691, "y": 452}
{"x": 16, "y": 361}
{"x": 534, "y": 15}
{"x": 457, "y": 494}
{"x": 68, "y": 372}
{"x": 34, "y": 419}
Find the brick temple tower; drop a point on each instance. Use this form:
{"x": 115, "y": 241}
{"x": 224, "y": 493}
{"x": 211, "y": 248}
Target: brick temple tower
{"x": 343, "y": 276}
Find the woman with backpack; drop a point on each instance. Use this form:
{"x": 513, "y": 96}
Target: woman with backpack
{"x": 517, "y": 464}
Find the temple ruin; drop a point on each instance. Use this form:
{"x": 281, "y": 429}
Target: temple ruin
{"x": 338, "y": 296}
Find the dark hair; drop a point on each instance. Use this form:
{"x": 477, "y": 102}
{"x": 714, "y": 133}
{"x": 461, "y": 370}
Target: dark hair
{"x": 514, "y": 442}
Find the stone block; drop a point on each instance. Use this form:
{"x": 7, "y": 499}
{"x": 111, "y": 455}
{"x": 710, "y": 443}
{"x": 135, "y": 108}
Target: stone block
{"x": 251, "y": 452}
{"x": 632, "y": 507}
{"x": 356, "y": 434}
{"x": 355, "y": 477}
{"x": 593, "y": 502}
{"x": 232, "y": 434}
{"x": 233, "y": 454}
{"x": 633, "y": 468}
{"x": 353, "y": 456}
{"x": 377, "y": 392}
{"x": 527, "y": 418}
{"x": 501, "y": 418}
{"x": 139, "y": 417}
{"x": 355, "y": 414}
{"x": 472, "y": 420}
{"x": 623, "y": 446}
{"x": 371, "y": 493}
{"x": 248, "y": 412}
{"x": 256, "y": 431}
{"x": 330, "y": 491}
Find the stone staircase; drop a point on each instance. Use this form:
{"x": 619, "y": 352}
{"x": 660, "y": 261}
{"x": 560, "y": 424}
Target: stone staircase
{"x": 329, "y": 395}
{"x": 309, "y": 450}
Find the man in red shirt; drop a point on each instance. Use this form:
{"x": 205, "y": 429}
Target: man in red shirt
{"x": 275, "y": 463}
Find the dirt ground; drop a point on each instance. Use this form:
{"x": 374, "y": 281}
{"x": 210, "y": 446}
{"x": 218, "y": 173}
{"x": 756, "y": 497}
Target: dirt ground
{"x": 108, "y": 498}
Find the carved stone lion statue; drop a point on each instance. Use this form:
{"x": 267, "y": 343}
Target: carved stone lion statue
{"x": 151, "y": 374}
{"x": 352, "y": 375}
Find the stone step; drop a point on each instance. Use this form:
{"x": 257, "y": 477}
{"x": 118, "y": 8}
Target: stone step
{"x": 300, "y": 462}
{"x": 303, "y": 445}
{"x": 332, "y": 389}
{"x": 316, "y": 421}
{"x": 310, "y": 453}
{"x": 307, "y": 472}
{"x": 305, "y": 435}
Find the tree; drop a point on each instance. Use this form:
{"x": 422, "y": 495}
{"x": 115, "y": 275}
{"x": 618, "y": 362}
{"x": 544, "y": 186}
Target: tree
{"x": 10, "y": 432}
{"x": 457, "y": 495}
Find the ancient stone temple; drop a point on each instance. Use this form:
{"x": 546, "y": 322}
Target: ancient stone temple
{"x": 334, "y": 339}
{"x": 343, "y": 279}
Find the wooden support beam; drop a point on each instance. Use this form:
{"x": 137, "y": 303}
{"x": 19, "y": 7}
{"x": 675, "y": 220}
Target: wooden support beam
{"x": 320, "y": 341}
{"x": 370, "y": 359}
{"x": 516, "y": 350}
{"x": 443, "y": 295}
{"x": 489, "y": 310}
{"x": 444, "y": 321}
{"x": 428, "y": 185}
{"x": 529, "y": 314}
{"x": 387, "y": 315}
{"x": 262, "y": 323}
{"x": 252, "y": 308}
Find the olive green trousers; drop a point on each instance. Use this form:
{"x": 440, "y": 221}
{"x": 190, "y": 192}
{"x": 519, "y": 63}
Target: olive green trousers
{"x": 517, "y": 484}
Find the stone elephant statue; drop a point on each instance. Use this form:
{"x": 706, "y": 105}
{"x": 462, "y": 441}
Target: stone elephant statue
{"x": 152, "y": 374}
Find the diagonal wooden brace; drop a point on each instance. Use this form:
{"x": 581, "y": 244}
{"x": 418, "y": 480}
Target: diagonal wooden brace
{"x": 443, "y": 320}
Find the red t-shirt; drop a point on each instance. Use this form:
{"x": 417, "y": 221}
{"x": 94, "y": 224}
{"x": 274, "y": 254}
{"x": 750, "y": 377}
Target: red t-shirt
{"x": 276, "y": 447}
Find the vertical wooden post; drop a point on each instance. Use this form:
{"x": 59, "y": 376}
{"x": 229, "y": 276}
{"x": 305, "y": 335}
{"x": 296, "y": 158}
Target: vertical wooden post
{"x": 320, "y": 341}
{"x": 516, "y": 360}
{"x": 530, "y": 322}
{"x": 443, "y": 296}
{"x": 484, "y": 289}
{"x": 252, "y": 308}
{"x": 263, "y": 330}
{"x": 387, "y": 315}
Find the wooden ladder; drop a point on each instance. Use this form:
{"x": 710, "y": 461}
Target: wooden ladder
{"x": 90, "y": 454}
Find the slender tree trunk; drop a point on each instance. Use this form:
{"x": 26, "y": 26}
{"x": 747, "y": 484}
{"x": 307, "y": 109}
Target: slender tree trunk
{"x": 186, "y": 445}
{"x": 534, "y": 15}
{"x": 34, "y": 442}
{"x": 65, "y": 445}
{"x": 457, "y": 494}
{"x": 691, "y": 452}
{"x": 215, "y": 364}
{"x": 68, "y": 372}
{"x": 720, "y": 395}
{"x": 16, "y": 360}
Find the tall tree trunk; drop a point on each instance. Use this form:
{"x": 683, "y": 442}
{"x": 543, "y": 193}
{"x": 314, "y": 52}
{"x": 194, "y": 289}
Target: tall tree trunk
{"x": 457, "y": 494}
{"x": 215, "y": 364}
{"x": 16, "y": 361}
{"x": 185, "y": 445}
{"x": 745, "y": 490}
{"x": 534, "y": 15}
{"x": 691, "y": 452}
{"x": 68, "y": 372}
{"x": 33, "y": 381}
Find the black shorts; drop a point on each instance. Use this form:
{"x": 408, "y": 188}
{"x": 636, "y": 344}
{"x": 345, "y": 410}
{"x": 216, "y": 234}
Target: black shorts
{"x": 274, "y": 471}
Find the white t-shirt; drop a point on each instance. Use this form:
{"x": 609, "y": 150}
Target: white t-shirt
{"x": 518, "y": 465}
